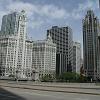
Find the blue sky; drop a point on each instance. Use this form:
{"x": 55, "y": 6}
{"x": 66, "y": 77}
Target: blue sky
{"x": 43, "y": 14}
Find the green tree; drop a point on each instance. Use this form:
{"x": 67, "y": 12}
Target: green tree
{"x": 47, "y": 78}
{"x": 69, "y": 77}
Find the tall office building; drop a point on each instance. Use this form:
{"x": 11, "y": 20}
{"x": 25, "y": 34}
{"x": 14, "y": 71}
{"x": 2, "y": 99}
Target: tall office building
{"x": 62, "y": 37}
{"x": 13, "y": 45}
{"x": 44, "y": 57}
{"x": 91, "y": 49}
{"x": 28, "y": 59}
{"x": 76, "y": 57}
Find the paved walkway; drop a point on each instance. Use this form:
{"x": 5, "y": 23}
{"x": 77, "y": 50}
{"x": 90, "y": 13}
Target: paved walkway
{"x": 7, "y": 93}
{"x": 69, "y": 88}
{"x": 52, "y": 84}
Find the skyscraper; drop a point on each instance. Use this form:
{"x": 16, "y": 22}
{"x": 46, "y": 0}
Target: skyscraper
{"x": 62, "y": 37}
{"x": 76, "y": 57}
{"x": 13, "y": 45}
{"x": 91, "y": 45}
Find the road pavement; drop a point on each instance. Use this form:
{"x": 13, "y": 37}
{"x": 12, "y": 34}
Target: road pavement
{"x": 8, "y": 93}
{"x": 54, "y": 88}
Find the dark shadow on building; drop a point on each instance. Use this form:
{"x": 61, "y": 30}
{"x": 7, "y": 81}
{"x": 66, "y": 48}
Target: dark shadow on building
{"x": 6, "y": 95}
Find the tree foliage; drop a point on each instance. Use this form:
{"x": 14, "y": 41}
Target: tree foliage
{"x": 47, "y": 78}
{"x": 72, "y": 77}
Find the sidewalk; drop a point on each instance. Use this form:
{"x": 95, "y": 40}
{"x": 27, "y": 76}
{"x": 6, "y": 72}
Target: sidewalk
{"x": 94, "y": 90}
{"x": 60, "y": 85}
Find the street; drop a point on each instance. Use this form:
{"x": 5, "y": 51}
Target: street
{"x": 8, "y": 93}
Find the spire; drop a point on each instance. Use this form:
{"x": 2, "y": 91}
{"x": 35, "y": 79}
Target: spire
{"x": 23, "y": 11}
{"x": 49, "y": 37}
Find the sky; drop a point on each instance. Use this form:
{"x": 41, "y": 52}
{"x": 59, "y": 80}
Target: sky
{"x": 43, "y": 14}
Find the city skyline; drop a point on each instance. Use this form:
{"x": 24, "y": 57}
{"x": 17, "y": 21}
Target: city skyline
{"x": 50, "y": 49}
{"x": 60, "y": 13}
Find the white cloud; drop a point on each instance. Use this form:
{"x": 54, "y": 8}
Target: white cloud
{"x": 88, "y": 4}
{"x": 18, "y": 6}
{"x": 51, "y": 11}
{"x": 44, "y": 11}
{"x": 32, "y": 10}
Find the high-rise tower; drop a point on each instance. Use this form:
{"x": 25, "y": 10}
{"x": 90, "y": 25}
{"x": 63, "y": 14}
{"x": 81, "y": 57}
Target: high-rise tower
{"x": 91, "y": 44}
{"x": 76, "y": 57}
{"x": 62, "y": 37}
{"x": 12, "y": 43}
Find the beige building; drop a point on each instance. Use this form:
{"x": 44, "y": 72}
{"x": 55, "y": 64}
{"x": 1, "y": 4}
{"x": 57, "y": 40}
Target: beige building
{"x": 44, "y": 57}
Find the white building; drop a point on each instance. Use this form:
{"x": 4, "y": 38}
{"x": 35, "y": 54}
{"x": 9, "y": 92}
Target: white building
{"x": 20, "y": 57}
{"x": 8, "y": 55}
{"x": 76, "y": 57}
{"x": 15, "y": 51}
{"x": 44, "y": 57}
{"x": 28, "y": 58}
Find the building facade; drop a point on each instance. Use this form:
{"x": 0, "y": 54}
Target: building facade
{"x": 28, "y": 59}
{"x": 7, "y": 55}
{"x": 44, "y": 57}
{"x": 15, "y": 51}
{"x": 91, "y": 49}
{"x": 62, "y": 37}
{"x": 76, "y": 57}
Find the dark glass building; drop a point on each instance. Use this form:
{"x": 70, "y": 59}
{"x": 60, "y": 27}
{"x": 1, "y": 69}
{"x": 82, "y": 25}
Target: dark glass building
{"x": 62, "y": 37}
{"x": 91, "y": 49}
